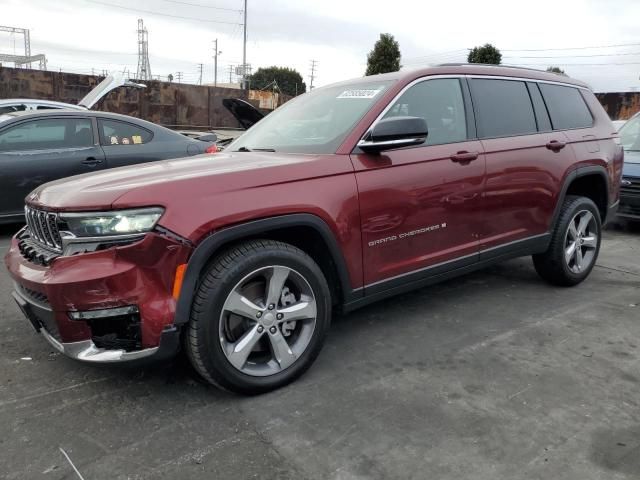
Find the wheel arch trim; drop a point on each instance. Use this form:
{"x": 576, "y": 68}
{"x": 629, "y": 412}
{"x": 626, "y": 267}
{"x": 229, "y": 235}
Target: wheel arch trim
{"x": 570, "y": 178}
{"x": 214, "y": 242}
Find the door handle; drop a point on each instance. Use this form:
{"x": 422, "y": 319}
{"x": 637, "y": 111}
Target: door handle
{"x": 464, "y": 157}
{"x": 91, "y": 161}
{"x": 555, "y": 145}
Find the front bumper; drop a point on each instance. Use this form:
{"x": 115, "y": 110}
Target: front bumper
{"x": 87, "y": 351}
{"x": 140, "y": 275}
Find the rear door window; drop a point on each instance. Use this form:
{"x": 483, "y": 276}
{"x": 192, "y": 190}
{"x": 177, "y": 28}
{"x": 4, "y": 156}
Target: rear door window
{"x": 566, "y": 106}
{"x": 542, "y": 116}
{"x": 113, "y": 132}
{"x": 440, "y": 103}
{"x": 47, "y": 134}
{"x": 503, "y": 108}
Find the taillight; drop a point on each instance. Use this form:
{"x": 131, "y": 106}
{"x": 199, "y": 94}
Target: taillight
{"x": 211, "y": 149}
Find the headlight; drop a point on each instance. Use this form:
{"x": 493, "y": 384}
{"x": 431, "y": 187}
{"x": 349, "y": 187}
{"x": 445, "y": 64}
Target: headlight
{"x": 118, "y": 222}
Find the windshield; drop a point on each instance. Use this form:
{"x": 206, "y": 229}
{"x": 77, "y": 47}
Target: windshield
{"x": 630, "y": 136}
{"x": 317, "y": 122}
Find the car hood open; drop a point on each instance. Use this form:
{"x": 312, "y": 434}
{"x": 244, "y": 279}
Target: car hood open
{"x": 246, "y": 114}
{"x": 111, "y": 82}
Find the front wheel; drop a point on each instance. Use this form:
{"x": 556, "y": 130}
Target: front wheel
{"x": 259, "y": 317}
{"x": 575, "y": 244}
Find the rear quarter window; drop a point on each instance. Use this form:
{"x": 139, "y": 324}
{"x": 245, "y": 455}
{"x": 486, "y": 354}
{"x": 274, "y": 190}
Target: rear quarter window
{"x": 566, "y": 107}
{"x": 114, "y": 132}
{"x": 503, "y": 108}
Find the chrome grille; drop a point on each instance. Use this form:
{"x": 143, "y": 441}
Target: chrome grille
{"x": 43, "y": 228}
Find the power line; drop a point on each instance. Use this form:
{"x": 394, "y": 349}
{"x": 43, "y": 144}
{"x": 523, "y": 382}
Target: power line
{"x": 580, "y": 64}
{"x": 431, "y": 55}
{"x": 569, "y": 48}
{"x": 203, "y": 6}
{"x": 582, "y": 56}
{"x": 150, "y": 12}
{"x": 436, "y": 60}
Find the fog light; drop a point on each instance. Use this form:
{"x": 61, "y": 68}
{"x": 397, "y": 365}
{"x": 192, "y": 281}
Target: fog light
{"x": 104, "y": 313}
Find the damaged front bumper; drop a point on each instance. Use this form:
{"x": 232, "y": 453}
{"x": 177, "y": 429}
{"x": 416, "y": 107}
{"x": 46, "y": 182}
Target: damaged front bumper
{"x": 113, "y": 305}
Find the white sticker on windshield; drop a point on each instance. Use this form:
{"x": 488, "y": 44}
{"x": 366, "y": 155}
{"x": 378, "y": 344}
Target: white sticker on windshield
{"x": 361, "y": 93}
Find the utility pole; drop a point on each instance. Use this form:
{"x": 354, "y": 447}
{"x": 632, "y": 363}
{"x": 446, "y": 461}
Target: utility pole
{"x": 314, "y": 64}
{"x": 216, "y": 52}
{"x": 200, "y": 66}
{"x": 244, "y": 48}
{"x": 179, "y": 77}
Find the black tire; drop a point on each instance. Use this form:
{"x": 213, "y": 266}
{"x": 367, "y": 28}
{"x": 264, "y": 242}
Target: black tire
{"x": 552, "y": 265}
{"x": 202, "y": 341}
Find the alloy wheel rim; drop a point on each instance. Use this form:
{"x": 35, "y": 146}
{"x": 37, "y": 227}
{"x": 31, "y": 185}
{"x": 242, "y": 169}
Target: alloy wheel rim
{"x": 267, "y": 321}
{"x": 581, "y": 242}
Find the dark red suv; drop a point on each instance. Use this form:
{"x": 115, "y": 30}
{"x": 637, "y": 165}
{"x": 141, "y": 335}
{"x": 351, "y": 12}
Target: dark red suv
{"x": 343, "y": 196}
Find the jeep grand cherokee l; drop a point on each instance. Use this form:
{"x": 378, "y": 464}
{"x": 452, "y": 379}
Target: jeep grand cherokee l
{"x": 343, "y": 196}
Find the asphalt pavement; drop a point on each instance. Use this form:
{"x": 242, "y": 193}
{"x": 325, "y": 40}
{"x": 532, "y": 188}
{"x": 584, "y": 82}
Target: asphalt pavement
{"x": 494, "y": 375}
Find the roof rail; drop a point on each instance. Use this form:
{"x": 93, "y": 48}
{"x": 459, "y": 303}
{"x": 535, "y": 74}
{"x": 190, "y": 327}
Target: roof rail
{"x": 488, "y": 65}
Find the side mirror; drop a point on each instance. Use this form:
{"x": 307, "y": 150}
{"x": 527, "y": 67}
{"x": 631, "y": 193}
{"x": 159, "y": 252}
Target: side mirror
{"x": 395, "y": 132}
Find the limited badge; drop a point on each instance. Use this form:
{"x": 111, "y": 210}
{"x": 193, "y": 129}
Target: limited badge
{"x": 136, "y": 139}
{"x": 114, "y": 140}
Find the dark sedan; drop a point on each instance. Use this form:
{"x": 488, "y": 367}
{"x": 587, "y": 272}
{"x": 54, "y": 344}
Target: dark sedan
{"x": 37, "y": 147}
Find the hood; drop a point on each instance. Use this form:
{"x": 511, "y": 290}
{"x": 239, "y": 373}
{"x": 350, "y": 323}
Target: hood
{"x": 159, "y": 183}
{"x": 631, "y": 164}
{"x": 111, "y": 82}
{"x": 246, "y": 114}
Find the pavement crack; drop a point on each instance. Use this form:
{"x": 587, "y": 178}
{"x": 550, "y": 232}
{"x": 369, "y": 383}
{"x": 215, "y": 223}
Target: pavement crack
{"x": 619, "y": 270}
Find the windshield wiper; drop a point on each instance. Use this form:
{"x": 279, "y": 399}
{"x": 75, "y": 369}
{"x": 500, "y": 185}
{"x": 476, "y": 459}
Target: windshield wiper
{"x": 245, "y": 149}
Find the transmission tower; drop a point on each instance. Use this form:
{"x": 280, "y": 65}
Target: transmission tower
{"x": 144, "y": 68}
{"x": 27, "y": 58}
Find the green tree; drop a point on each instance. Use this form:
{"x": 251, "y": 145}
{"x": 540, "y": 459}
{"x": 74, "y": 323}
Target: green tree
{"x": 385, "y": 56}
{"x": 557, "y": 70}
{"x": 289, "y": 80}
{"x": 487, "y": 53}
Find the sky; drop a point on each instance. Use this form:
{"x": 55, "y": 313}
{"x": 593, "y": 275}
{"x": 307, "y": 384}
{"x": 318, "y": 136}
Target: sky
{"x": 597, "y": 41}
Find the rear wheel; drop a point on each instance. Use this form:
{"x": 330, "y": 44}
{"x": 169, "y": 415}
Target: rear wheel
{"x": 259, "y": 317}
{"x": 575, "y": 244}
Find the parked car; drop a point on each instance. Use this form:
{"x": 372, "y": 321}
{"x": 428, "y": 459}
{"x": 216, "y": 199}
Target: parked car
{"x": 630, "y": 189}
{"x": 39, "y": 146}
{"x": 111, "y": 82}
{"x": 246, "y": 114}
{"x": 343, "y": 196}
{"x": 618, "y": 124}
